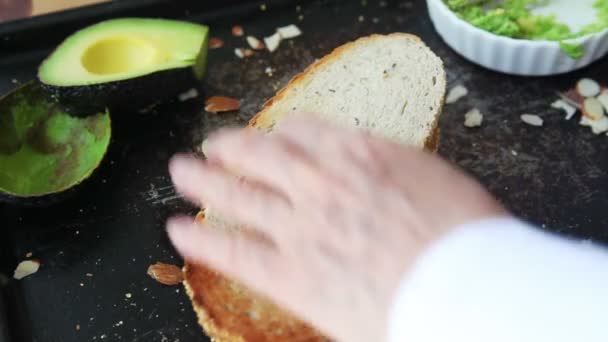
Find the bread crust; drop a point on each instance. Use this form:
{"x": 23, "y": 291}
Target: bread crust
{"x": 222, "y": 305}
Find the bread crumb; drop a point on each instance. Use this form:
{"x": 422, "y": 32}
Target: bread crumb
{"x": 456, "y": 93}
{"x": 514, "y": 153}
{"x": 89, "y": 275}
{"x": 300, "y": 17}
{"x": 566, "y": 107}
{"x": 532, "y": 119}
{"x": 237, "y": 31}
{"x": 361, "y": 18}
{"x": 473, "y": 118}
{"x": 289, "y": 31}
{"x": 263, "y": 7}
{"x": 77, "y": 327}
{"x": 239, "y": 52}
{"x": 128, "y": 295}
{"x": 28, "y": 254}
{"x": 269, "y": 71}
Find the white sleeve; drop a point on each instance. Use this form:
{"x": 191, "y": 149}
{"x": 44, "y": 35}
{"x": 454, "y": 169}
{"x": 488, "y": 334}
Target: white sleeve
{"x": 502, "y": 280}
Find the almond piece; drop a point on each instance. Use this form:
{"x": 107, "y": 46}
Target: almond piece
{"x": 215, "y": 43}
{"x": 572, "y": 97}
{"x": 218, "y": 104}
{"x": 566, "y": 107}
{"x": 237, "y": 31}
{"x": 597, "y": 126}
{"x": 592, "y": 108}
{"x": 26, "y": 268}
{"x": 248, "y": 52}
{"x": 255, "y": 43}
{"x": 473, "y": 118}
{"x": 188, "y": 95}
{"x": 166, "y": 274}
{"x": 239, "y": 52}
{"x": 587, "y": 87}
{"x": 456, "y": 93}
{"x": 532, "y": 119}
{"x": 200, "y": 217}
{"x": 289, "y": 31}
{"x": 272, "y": 42}
{"x": 603, "y": 98}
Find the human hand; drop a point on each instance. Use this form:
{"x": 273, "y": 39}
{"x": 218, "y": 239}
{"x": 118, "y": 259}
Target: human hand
{"x": 347, "y": 216}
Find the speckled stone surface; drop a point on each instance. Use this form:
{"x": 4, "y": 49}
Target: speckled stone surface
{"x": 114, "y": 228}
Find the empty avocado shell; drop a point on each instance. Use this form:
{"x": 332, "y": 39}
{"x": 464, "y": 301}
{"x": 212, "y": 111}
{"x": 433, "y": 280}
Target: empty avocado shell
{"x": 43, "y": 150}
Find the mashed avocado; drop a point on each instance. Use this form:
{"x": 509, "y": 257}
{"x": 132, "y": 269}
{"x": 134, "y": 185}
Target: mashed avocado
{"x": 514, "y": 18}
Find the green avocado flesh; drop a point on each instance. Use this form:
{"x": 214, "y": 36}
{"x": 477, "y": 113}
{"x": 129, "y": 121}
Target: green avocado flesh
{"x": 43, "y": 150}
{"x": 126, "y": 48}
{"x": 514, "y": 18}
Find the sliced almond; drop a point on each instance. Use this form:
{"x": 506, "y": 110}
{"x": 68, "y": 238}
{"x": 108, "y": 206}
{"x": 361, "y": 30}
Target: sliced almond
{"x": 188, "y": 95}
{"x": 248, "y": 52}
{"x": 215, "y": 43}
{"x": 597, "y": 126}
{"x": 566, "y": 107}
{"x": 237, "y": 31}
{"x": 587, "y": 87}
{"x": 572, "y": 97}
{"x": 218, "y": 104}
{"x": 473, "y": 118}
{"x": 26, "y": 268}
{"x": 255, "y": 43}
{"x": 166, "y": 274}
{"x": 272, "y": 42}
{"x": 239, "y": 52}
{"x": 289, "y": 31}
{"x": 532, "y": 119}
{"x": 592, "y": 108}
{"x": 456, "y": 93}
{"x": 603, "y": 98}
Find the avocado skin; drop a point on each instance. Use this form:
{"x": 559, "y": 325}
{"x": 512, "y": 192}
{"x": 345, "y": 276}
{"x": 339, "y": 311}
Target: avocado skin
{"x": 125, "y": 95}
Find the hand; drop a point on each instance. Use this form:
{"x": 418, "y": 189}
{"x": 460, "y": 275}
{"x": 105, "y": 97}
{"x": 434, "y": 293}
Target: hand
{"x": 347, "y": 215}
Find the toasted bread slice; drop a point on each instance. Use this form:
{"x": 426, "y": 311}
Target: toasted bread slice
{"x": 390, "y": 85}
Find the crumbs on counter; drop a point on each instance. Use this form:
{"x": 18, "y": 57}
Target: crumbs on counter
{"x": 591, "y": 99}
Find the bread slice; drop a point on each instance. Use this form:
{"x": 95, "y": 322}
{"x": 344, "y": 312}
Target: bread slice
{"x": 390, "y": 85}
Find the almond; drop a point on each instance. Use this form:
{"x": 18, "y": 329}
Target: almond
{"x": 456, "y": 93}
{"x": 215, "y": 43}
{"x": 166, "y": 274}
{"x": 289, "y": 31}
{"x": 473, "y": 118}
{"x": 603, "y": 98}
{"x": 26, "y": 268}
{"x": 532, "y": 119}
{"x": 218, "y": 104}
{"x": 248, "y": 52}
{"x": 272, "y": 42}
{"x": 597, "y": 126}
{"x": 592, "y": 108}
{"x": 255, "y": 43}
{"x": 239, "y": 52}
{"x": 237, "y": 31}
{"x": 566, "y": 107}
{"x": 587, "y": 87}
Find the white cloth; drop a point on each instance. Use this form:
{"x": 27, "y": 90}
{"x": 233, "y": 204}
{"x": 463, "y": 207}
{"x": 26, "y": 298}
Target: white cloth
{"x": 502, "y": 280}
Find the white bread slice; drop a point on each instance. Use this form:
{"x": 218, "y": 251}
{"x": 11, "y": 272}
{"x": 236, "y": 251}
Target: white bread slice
{"x": 390, "y": 85}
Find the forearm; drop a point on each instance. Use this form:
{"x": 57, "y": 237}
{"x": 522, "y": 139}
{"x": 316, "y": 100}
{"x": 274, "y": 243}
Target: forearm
{"x": 502, "y": 280}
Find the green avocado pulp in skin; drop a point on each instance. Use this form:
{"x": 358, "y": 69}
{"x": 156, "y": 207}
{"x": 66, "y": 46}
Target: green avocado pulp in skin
{"x": 126, "y": 48}
{"x": 514, "y": 18}
{"x": 43, "y": 150}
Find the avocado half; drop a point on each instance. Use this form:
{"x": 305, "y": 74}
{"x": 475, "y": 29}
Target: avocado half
{"x": 43, "y": 150}
{"x": 126, "y": 63}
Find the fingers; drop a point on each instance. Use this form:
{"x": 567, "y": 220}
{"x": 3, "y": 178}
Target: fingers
{"x": 268, "y": 159}
{"x": 250, "y": 204}
{"x": 250, "y": 261}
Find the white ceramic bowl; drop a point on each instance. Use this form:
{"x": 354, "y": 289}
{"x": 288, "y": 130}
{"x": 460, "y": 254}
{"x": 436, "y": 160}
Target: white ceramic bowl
{"x": 508, "y": 55}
